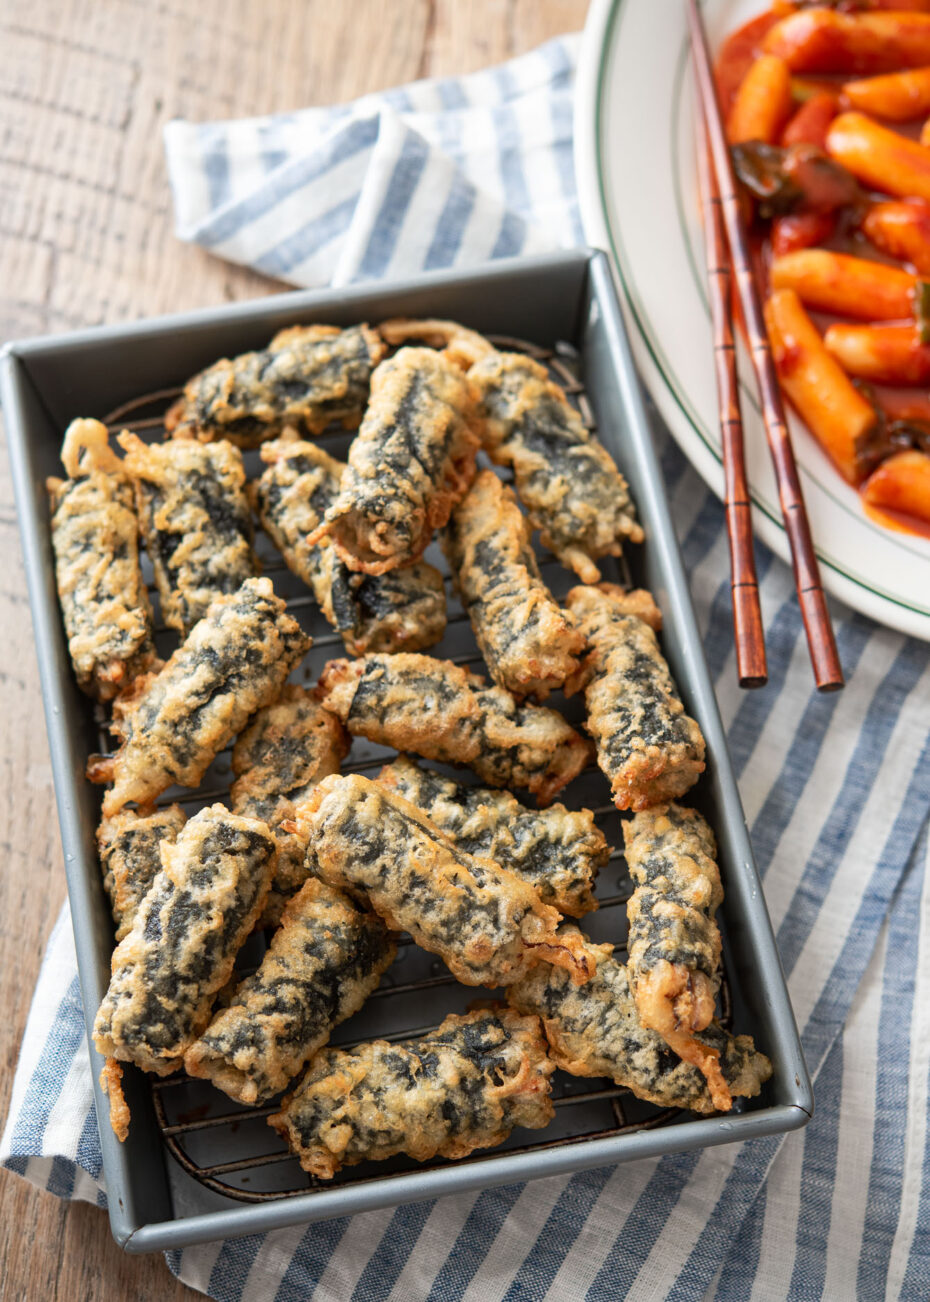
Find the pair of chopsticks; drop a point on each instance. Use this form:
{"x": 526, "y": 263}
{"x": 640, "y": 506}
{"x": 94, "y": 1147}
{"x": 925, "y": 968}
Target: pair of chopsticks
{"x": 723, "y": 230}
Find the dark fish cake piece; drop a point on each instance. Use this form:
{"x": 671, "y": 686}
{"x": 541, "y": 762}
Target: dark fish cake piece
{"x": 95, "y": 537}
{"x": 128, "y": 845}
{"x": 324, "y": 961}
{"x": 674, "y": 942}
{"x": 404, "y": 610}
{"x": 307, "y": 377}
{"x": 287, "y": 748}
{"x": 411, "y": 461}
{"x": 649, "y": 749}
{"x": 558, "y": 850}
{"x": 195, "y": 522}
{"x": 183, "y": 942}
{"x": 174, "y": 723}
{"x": 594, "y": 1030}
{"x": 436, "y": 709}
{"x": 529, "y": 645}
{"x": 462, "y": 1087}
{"x": 487, "y": 925}
{"x": 565, "y": 477}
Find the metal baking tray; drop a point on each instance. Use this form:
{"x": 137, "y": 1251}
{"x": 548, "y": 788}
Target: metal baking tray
{"x": 197, "y": 1167}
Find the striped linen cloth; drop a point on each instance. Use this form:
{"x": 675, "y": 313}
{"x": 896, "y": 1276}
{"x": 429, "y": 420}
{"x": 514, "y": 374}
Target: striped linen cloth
{"x": 836, "y": 790}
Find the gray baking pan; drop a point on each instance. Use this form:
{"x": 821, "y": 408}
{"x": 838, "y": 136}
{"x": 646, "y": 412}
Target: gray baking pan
{"x": 195, "y": 1166}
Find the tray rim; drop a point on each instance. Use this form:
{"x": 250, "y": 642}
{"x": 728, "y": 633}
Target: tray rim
{"x": 135, "y": 1236}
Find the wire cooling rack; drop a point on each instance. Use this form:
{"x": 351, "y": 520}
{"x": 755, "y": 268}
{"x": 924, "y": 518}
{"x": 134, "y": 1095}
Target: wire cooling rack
{"x": 227, "y": 1147}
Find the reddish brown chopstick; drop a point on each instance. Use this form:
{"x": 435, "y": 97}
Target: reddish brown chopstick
{"x": 828, "y": 673}
{"x": 749, "y": 636}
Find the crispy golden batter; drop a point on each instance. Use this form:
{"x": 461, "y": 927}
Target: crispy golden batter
{"x": 287, "y": 748}
{"x": 128, "y": 845}
{"x": 111, "y": 1082}
{"x": 488, "y": 925}
{"x": 404, "y": 610}
{"x": 528, "y": 644}
{"x": 650, "y": 750}
{"x": 674, "y": 943}
{"x": 412, "y": 460}
{"x": 565, "y": 477}
{"x": 323, "y": 963}
{"x": 558, "y": 850}
{"x": 183, "y": 942}
{"x": 95, "y": 536}
{"x": 461, "y": 345}
{"x": 307, "y": 377}
{"x": 436, "y": 709}
{"x": 462, "y": 1087}
{"x": 177, "y": 720}
{"x": 195, "y": 522}
{"x": 594, "y": 1030}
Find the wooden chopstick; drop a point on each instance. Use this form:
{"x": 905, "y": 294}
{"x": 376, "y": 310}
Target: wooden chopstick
{"x": 828, "y": 673}
{"x": 749, "y": 636}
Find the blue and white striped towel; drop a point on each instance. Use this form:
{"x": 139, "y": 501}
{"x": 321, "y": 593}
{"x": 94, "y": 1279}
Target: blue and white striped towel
{"x": 836, "y": 790}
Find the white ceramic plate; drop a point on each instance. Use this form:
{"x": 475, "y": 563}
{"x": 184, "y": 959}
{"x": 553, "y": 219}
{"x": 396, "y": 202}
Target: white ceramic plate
{"x": 637, "y": 180}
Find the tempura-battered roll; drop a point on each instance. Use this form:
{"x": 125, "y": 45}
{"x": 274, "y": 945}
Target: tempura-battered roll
{"x": 307, "y": 377}
{"x": 404, "y": 610}
{"x": 557, "y": 850}
{"x": 460, "y": 344}
{"x": 287, "y": 748}
{"x": 567, "y": 480}
{"x": 462, "y": 1087}
{"x": 184, "y": 939}
{"x": 128, "y": 845}
{"x": 594, "y": 1030}
{"x": 413, "y": 458}
{"x": 650, "y": 750}
{"x": 323, "y": 962}
{"x": 674, "y": 943}
{"x": 528, "y": 644}
{"x": 487, "y": 925}
{"x": 95, "y": 536}
{"x": 177, "y": 720}
{"x": 436, "y": 709}
{"x": 195, "y": 522}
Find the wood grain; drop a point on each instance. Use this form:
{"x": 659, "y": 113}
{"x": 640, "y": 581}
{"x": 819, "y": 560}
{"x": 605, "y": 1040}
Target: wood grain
{"x": 86, "y": 237}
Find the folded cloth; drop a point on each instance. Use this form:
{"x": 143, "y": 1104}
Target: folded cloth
{"x": 442, "y": 173}
{"x": 836, "y": 790}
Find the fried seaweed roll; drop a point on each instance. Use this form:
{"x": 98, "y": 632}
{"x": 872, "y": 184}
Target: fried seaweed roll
{"x": 184, "y": 939}
{"x": 323, "y": 962}
{"x": 649, "y": 749}
{"x": 557, "y": 850}
{"x": 674, "y": 943}
{"x": 461, "y": 1087}
{"x": 488, "y": 925}
{"x": 128, "y": 845}
{"x": 528, "y": 644}
{"x": 594, "y": 1030}
{"x": 195, "y": 522}
{"x": 287, "y": 748}
{"x": 460, "y": 345}
{"x": 404, "y": 610}
{"x": 177, "y": 720}
{"x": 438, "y": 710}
{"x": 307, "y": 377}
{"x": 567, "y": 480}
{"x": 95, "y": 536}
{"x": 412, "y": 460}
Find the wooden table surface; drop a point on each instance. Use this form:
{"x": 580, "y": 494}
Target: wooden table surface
{"x": 86, "y": 237}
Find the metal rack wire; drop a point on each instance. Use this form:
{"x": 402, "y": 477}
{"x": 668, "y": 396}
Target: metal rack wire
{"x": 228, "y": 1148}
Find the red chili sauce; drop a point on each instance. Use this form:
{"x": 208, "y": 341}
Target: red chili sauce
{"x": 806, "y": 230}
